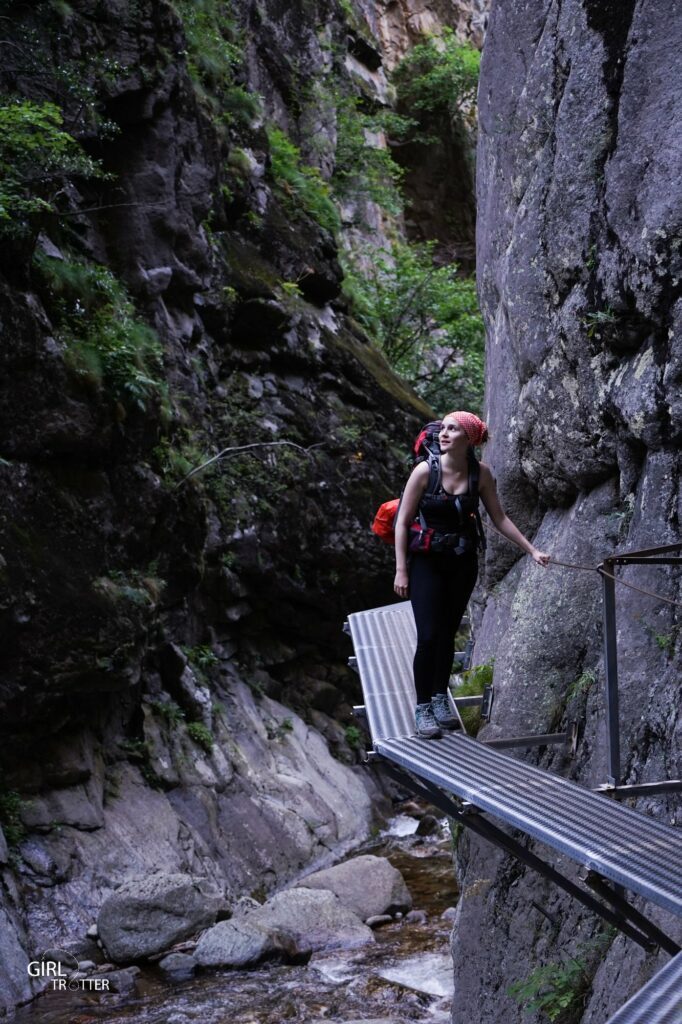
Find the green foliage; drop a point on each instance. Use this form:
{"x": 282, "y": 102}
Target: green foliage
{"x": 169, "y": 711}
{"x": 551, "y": 990}
{"x": 37, "y": 157}
{"x": 132, "y": 586}
{"x": 598, "y": 320}
{"x": 558, "y": 990}
{"x": 424, "y": 318}
{"x": 201, "y": 735}
{"x": 664, "y": 641}
{"x": 582, "y": 685}
{"x": 62, "y": 9}
{"x": 215, "y": 55}
{"x": 201, "y": 657}
{"x": 300, "y": 186}
{"x": 438, "y": 76}
{"x": 472, "y": 684}
{"x": 353, "y": 737}
{"x": 175, "y": 458}
{"x": 11, "y": 806}
{"x": 279, "y": 730}
{"x": 363, "y": 167}
{"x": 106, "y": 342}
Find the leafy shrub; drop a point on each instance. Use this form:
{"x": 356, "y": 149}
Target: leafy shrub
{"x": 201, "y": 657}
{"x": 438, "y": 76}
{"x": 553, "y": 989}
{"x": 580, "y": 686}
{"x": 169, "y": 711}
{"x": 472, "y": 684}
{"x": 36, "y": 158}
{"x": 558, "y": 990}
{"x": 215, "y": 55}
{"x": 364, "y": 168}
{"x": 353, "y": 737}
{"x": 11, "y": 806}
{"x": 106, "y": 341}
{"x": 298, "y": 184}
{"x": 201, "y": 735}
{"x": 424, "y": 318}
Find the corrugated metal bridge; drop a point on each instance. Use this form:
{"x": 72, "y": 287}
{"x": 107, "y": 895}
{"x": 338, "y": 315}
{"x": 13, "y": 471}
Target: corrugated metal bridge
{"x": 618, "y": 848}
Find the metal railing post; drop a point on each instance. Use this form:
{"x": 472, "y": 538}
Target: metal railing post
{"x": 611, "y": 674}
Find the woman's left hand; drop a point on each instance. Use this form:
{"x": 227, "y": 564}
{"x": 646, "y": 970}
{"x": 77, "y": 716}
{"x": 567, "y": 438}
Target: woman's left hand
{"x": 540, "y": 557}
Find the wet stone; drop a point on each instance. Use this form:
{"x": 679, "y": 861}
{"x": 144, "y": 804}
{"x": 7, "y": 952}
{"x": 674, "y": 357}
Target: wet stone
{"x": 179, "y": 965}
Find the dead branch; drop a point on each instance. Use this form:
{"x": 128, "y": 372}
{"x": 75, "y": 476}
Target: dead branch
{"x": 238, "y": 449}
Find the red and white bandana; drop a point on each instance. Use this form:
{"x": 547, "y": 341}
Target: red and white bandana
{"x": 474, "y": 428}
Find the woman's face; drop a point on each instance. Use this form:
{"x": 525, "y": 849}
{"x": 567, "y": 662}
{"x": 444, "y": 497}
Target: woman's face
{"x": 452, "y": 435}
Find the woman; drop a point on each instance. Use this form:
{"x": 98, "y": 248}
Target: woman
{"x": 440, "y": 581}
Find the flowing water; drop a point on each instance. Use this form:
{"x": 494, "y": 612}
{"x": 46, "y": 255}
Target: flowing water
{"x": 406, "y": 975}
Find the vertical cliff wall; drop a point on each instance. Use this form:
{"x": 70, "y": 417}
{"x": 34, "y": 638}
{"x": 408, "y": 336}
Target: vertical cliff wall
{"x": 579, "y": 263}
{"x": 185, "y": 301}
{"x": 171, "y": 647}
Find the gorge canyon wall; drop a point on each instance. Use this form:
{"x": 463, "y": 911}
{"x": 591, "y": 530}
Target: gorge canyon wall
{"x": 579, "y": 268}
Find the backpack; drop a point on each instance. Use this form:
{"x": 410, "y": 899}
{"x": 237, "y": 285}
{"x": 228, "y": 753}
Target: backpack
{"x": 427, "y": 449}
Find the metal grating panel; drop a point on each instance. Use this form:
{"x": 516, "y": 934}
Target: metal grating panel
{"x": 384, "y": 640}
{"x": 659, "y": 1002}
{"x": 633, "y": 850}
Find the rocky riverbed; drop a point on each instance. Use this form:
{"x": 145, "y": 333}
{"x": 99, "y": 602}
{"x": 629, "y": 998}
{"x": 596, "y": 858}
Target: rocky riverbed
{"x": 401, "y": 972}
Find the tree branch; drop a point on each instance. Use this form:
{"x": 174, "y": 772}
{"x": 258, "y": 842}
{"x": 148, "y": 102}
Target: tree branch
{"x": 237, "y": 449}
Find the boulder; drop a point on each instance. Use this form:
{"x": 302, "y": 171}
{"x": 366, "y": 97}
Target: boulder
{"x": 369, "y": 886}
{"x": 147, "y": 915}
{"x": 240, "y": 942}
{"x": 312, "y": 920}
{"x": 178, "y": 965}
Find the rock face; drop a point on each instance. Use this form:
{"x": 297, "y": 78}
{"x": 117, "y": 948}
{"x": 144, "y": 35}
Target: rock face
{"x": 165, "y": 640}
{"x": 579, "y": 219}
{"x": 148, "y": 915}
{"x": 367, "y": 885}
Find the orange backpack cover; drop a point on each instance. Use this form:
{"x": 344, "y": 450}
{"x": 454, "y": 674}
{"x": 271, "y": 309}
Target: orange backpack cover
{"x": 384, "y": 519}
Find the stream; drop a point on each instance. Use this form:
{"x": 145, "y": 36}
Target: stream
{"x": 406, "y": 975}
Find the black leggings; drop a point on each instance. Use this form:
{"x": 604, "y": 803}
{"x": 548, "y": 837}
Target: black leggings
{"x": 440, "y": 587}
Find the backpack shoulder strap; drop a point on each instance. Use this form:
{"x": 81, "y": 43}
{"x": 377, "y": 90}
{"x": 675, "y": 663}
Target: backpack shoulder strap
{"x": 435, "y": 474}
{"x": 474, "y": 477}
{"x": 474, "y": 474}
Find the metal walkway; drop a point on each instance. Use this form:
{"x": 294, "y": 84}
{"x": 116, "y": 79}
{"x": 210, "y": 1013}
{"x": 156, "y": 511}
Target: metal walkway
{"x": 611, "y": 841}
{"x": 659, "y": 1002}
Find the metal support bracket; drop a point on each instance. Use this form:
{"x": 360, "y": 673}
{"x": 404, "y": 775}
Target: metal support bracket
{"x": 600, "y": 885}
{"x": 487, "y": 699}
{"x": 532, "y": 740}
{"x": 641, "y": 789}
{"x": 472, "y": 818}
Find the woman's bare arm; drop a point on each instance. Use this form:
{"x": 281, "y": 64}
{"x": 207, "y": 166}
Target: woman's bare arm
{"x": 414, "y": 489}
{"x": 501, "y": 520}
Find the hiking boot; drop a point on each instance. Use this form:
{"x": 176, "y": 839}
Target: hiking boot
{"x": 427, "y": 726}
{"x": 442, "y": 712}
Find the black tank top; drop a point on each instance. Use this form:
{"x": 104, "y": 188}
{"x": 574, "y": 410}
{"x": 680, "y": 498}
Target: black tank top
{"x": 449, "y": 513}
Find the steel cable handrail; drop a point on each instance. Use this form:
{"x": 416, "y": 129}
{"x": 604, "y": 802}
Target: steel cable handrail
{"x": 590, "y": 568}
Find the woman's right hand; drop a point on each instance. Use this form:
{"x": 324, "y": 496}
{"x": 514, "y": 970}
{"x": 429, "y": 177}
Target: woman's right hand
{"x": 400, "y": 582}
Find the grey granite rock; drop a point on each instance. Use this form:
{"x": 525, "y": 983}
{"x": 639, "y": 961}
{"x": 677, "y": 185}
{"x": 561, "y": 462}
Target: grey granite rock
{"x": 147, "y": 915}
{"x": 180, "y": 965}
{"x": 579, "y": 217}
{"x": 237, "y": 943}
{"x": 367, "y": 885}
{"x": 312, "y": 919}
